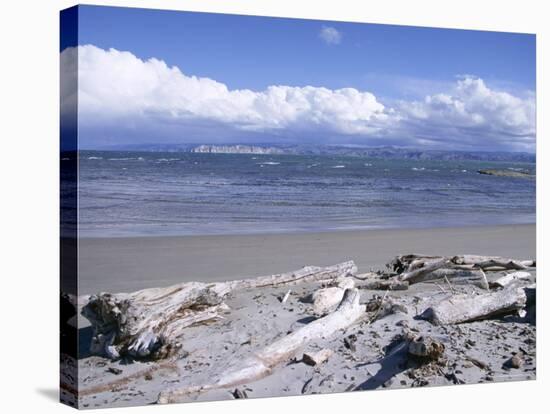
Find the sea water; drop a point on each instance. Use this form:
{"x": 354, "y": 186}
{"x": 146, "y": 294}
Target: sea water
{"x": 178, "y": 193}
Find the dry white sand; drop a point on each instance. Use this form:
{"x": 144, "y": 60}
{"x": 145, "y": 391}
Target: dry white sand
{"x": 256, "y": 317}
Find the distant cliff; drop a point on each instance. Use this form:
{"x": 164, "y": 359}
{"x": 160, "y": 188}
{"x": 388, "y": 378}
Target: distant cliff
{"x": 237, "y": 149}
{"x": 386, "y": 152}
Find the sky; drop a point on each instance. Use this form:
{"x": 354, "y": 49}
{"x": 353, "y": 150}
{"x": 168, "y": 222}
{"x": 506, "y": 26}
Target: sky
{"x": 150, "y": 76}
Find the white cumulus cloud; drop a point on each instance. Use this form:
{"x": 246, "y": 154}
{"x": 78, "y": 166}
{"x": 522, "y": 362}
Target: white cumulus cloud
{"x": 114, "y": 84}
{"x": 330, "y": 35}
{"x": 121, "y": 96}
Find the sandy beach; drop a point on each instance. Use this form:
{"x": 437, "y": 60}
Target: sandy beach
{"x": 128, "y": 264}
{"x": 368, "y": 353}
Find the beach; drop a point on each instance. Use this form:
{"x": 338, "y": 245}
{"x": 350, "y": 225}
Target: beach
{"x": 122, "y": 264}
{"x": 370, "y": 351}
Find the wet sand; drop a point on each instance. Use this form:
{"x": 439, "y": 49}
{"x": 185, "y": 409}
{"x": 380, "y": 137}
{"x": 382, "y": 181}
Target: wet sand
{"x": 129, "y": 264}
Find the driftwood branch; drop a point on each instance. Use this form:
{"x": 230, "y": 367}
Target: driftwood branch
{"x": 148, "y": 323}
{"x": 261, "y": 363}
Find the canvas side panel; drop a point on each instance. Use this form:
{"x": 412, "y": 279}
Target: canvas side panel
{"x": 68, "y": 206}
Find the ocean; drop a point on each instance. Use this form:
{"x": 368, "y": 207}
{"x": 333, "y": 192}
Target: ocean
{"x": 152, "y": 193}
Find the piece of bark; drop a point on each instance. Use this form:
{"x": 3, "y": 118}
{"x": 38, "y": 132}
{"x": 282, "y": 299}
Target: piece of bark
{"x": 148, "y": 323}
{"x": 474, "y": 277}
{"x": 466, "y": 308}
{"x": 510, "y": 278}
{"x": 317, "y": 358}
{"x": 262, "y": 363}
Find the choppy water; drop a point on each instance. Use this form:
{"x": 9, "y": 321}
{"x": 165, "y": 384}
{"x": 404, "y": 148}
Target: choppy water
{"x": 131, "y": 194}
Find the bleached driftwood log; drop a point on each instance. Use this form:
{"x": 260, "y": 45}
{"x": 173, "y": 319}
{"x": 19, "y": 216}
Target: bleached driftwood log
{"x": 411, "y": 262}
{"x": 509, "y": 278}
{"x": 474, "y": 277}
{"x": 261, "y": 363}
{"x": 490, "y": 262}
{"x": 466, "y": 308}
{"x": 148, "y": 323}
{"x": 419, "y": 272}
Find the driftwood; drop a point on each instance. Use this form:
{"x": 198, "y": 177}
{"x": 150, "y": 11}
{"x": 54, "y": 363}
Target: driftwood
{"x": 474, "y": 277}
{"x": 317, "y": 358}
{"x": 490, "y": 262}
{"x": 383, "y": 284}
{"x": 261, "y": 363}
{"x": 467, "y": 308}
{"x": 420, "y": 271}
{"x": 149, "y": 322}
{"x": 426, "y": 348}
{"x": 510, "y": 278}
{"x": 411, "y": 262}
{"x": 326, "y": 300}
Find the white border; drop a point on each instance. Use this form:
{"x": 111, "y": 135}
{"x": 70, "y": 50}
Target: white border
{"x": 29, "y": 163}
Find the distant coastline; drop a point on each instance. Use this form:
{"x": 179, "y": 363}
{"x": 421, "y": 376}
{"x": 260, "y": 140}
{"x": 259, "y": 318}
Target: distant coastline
{"x": 385, "y": 152}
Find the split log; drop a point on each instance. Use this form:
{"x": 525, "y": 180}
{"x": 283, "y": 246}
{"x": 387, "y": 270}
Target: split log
{"x": 509, "y": 278}
{"x": 148, "y": 323}
{"x": 474, "y": 277}
{"x": 261, "y": 363}
{"x": 467, "y": 308}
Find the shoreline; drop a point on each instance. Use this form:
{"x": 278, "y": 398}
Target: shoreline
{"x": 124, "y": 264}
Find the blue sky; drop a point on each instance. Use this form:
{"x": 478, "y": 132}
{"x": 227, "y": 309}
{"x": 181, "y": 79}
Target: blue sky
{"x": 422, "y": 77}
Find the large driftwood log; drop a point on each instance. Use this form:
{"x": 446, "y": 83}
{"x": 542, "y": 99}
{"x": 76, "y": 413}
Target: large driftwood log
{"x": 411, "y": 262}
{"x": 489, "y": 262}
{"x": 420, "y": 272}
{"x": 261, "y": 363}
{"x": 474, "y": 277}
{"x": 510, "y": 278}
{"x": 148, "y": 323}
{"x": 467, "y": 308}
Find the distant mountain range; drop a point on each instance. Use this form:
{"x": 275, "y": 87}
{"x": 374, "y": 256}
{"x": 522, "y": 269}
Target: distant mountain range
{"x": 388, "y": 152}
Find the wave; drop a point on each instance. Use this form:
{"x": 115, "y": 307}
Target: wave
{"x": 95, "y": 158}
{"x": 269, "y": 163}
{"x": 339, "y": 166}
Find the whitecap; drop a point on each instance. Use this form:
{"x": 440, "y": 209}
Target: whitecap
{"x": 269, "y": 163}
{"x": 95, "y": 158}
{"x": 339, "y": 166}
